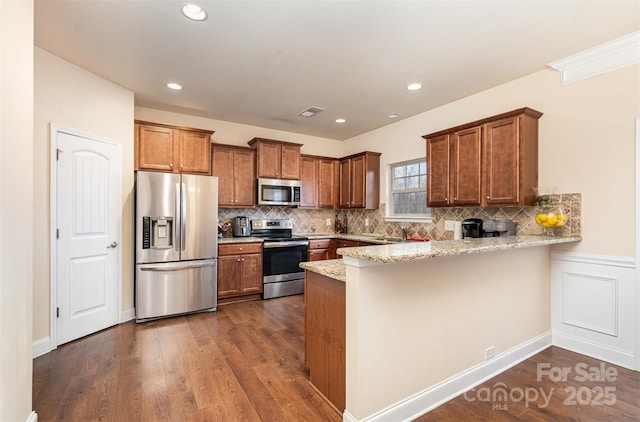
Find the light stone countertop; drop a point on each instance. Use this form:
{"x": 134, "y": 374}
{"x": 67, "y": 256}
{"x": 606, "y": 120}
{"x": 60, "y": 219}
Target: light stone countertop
{"x": 378, "y": 239}
{"x": 409, "y": 251}
{"x": 333, "y": 268}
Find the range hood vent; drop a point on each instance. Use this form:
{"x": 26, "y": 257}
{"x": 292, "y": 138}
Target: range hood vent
{"x": 311, "y": 111}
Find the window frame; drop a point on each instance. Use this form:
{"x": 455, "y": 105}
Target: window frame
{"x": 389, "y": 215}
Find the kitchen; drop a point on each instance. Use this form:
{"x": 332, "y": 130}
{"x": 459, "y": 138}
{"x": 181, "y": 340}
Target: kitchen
{"x": 571, "y": 120}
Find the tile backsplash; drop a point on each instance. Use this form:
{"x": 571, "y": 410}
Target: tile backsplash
{"x": 314, "y": 221}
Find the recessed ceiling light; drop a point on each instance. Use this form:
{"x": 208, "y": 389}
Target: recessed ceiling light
{"x": 414, "y": 86}
{"x": 194, "y": 12}
{"x": 340, "y": 120}
{"x": 175, "y": 86}
{"x": 392, "y": 115}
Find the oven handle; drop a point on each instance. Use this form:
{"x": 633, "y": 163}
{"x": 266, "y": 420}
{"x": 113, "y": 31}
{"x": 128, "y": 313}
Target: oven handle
{"x": 268, "y": 245}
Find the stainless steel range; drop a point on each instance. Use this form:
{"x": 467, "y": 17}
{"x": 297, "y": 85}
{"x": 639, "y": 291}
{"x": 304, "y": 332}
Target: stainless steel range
{"x": 281, "y": 257}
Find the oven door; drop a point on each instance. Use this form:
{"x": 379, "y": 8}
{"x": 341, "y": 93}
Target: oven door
{"x": 280, "y": 258}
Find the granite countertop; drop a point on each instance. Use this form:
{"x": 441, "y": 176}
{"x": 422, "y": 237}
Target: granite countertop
{"x": 409, "y": 251}
{"x": 379, "y": 239}
{"x": 333, "y": 268}
{"x": 228, "y": 240}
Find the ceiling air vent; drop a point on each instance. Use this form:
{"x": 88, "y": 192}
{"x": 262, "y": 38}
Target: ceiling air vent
{"x": 310, "y": 111}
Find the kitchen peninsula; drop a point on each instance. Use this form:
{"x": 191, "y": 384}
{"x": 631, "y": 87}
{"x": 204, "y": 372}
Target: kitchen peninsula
{"x": 420, "y": 322}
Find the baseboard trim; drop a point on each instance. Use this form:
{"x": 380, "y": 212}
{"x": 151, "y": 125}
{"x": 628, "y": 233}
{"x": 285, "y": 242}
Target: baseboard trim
{"x": 421, "y": 403}
{"x": 33, "y": 417}
{"x": 40, "y": 347}
{"x": 128, "y": 315}
{"x": 594, "y": 350}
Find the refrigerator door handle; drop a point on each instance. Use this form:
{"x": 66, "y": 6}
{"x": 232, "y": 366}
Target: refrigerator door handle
{"x": 179, "y": 268}
{"x": 183, "y": 211}
{"x": 177, "y": 226}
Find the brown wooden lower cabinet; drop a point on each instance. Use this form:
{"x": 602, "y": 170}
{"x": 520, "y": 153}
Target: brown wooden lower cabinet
{"x": 325, "y": 332}
{"x": 320, "y": 249}
{"x": 239, "y": 269}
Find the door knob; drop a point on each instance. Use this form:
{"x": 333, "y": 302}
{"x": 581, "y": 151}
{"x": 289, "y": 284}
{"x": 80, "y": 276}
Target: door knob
{"x": 113, "y": 245}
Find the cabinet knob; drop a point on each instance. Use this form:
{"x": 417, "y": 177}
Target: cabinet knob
{"x": 171, "y": 165}
{"x": 446, "y": 199}
{"x": 240, "y": 248}
{"x": 488, "y": 197}
{"x": 181, "y": 166}
{"x": 455, "y": 198}
{"x": 238, "y": 259}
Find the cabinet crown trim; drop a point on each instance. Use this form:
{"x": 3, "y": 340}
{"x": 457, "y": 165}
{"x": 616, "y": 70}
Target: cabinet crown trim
{"x": 229, "y": 146}
{"x": 191, "y": 129}
{"x": 254, "y": 141}
{"x": 525, "y": 110}
{"x": 361, "y": 154}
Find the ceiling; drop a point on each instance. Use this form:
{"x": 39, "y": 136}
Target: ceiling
{"x": 261, "y": 63}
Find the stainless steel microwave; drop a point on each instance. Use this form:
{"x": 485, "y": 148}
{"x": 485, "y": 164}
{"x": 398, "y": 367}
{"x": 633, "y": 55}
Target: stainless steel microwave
{"x": 279, "y": 192}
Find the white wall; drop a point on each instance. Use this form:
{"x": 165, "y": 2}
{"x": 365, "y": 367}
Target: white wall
{"x": 237, "y": 134}
{"x": 75, "y": 98}
{"x": 586, "y": 144}
{"x": 16, "y": 208}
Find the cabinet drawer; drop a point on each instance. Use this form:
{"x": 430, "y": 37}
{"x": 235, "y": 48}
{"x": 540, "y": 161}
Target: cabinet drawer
{"x": 239, "y": 248}
{"x": 319, "y": 243}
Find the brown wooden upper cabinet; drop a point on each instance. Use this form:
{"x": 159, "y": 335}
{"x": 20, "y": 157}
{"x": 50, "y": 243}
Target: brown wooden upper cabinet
{"x": 174, "y": 149}
{"x": 359, "y": 176}
{"x": 318, "y": 176}
{"x": 235, "y": 168}
{"x": 277, "y": 159}
{"x": 489, "y": 162}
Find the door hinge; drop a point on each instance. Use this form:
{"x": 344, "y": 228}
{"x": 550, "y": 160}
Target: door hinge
{"x": 58, "y": 312}
{"x": 58, "y": 151}
{"x": 57, "y": 233}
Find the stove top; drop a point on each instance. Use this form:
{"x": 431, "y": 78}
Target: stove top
{"x": 268, "y": 238}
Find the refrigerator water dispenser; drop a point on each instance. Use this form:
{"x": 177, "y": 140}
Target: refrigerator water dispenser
{"x": 157, "y": 232}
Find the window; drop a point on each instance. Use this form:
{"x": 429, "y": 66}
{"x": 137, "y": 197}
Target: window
{"x": 408, "y": 191}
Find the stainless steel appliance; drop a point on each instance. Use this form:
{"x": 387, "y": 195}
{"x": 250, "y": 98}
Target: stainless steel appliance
{"x": 241, "y": 227}
{"x": 281, "y": 257}
{"x": 476, "y": 227}
{"x": 472, "y": 227}
{"x": 279, "y": 192}
{"x": 176, "y": 244}
{"x": 499, "y": 227}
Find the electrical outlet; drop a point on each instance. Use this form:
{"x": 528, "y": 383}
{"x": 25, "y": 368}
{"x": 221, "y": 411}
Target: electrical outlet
{"x": 489, "y": 352}
{"x": 328, "y": 222}
{"x": 449, "y": 225}
{"x": 366, "y": 222}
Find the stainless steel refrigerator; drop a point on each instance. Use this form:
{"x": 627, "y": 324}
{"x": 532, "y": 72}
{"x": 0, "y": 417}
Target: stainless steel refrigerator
{"x": 176, "y": 244}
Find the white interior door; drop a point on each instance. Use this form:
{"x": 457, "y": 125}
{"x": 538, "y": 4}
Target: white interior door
{"x": 88, "y": 187}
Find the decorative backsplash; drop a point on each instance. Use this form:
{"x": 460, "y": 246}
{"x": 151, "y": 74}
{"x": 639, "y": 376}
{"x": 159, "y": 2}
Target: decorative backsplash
{"x": 314, "y": 221}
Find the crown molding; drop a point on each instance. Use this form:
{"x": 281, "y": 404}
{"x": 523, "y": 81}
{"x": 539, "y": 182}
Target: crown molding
{"x": 613, "y": 55}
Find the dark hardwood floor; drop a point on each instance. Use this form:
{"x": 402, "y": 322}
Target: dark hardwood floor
{"x": 245, "y": 362}
{"x": 588, "y": 390}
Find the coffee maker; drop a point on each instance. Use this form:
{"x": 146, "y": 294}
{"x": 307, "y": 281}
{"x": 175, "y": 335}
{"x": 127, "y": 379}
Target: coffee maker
{"x": 472, "y": 227}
